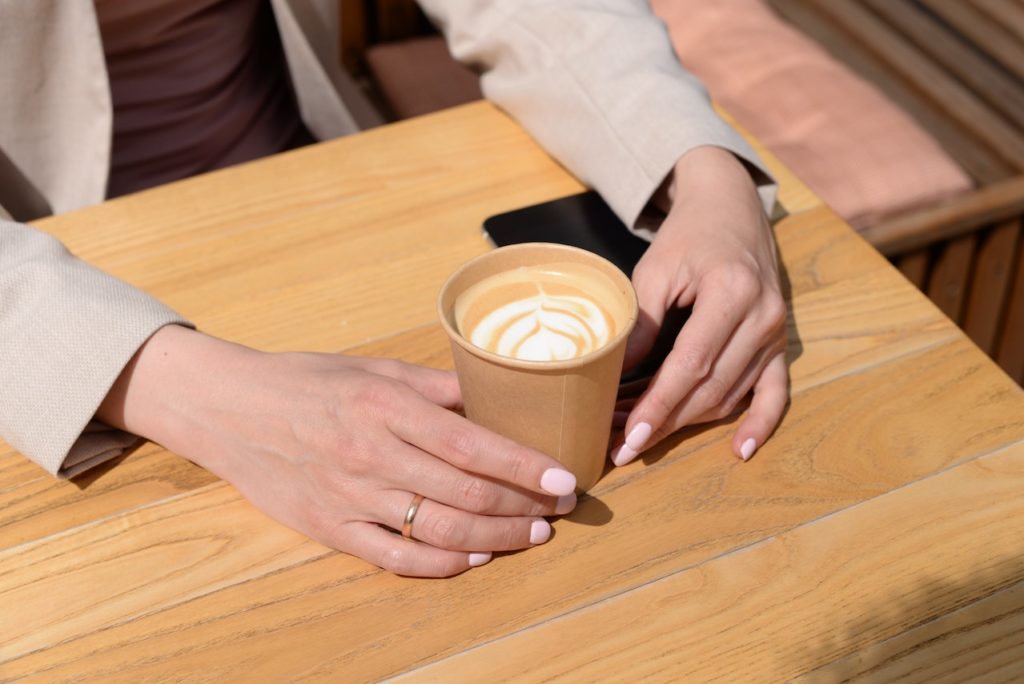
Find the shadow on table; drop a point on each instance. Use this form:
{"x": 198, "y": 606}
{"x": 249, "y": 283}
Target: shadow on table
{"x": 907, "y": 635}
{"x": 590, "y": 511}
{"x": 85, "y": 479}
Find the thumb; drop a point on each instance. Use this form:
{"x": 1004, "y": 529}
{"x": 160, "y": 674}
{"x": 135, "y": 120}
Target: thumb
{"x": 652, "y": 298}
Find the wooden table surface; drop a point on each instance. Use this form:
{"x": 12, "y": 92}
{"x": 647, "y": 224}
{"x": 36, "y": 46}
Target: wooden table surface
{"x": 879, "y": 534}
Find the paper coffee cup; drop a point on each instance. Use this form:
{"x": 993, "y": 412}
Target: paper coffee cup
{"x": 562, "y": 408}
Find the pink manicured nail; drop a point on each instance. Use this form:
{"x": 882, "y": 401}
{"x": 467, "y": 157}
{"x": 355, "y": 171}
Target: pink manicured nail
{"x": 478, "y": 559}
{"x": 565, "y": 504}
{"x": 623, "y": 455}
{"x": 748, "y": 448}
{"x": 540, "y": 531}
{"x": 638, "y": 436}
{"x": 558, "y": 482}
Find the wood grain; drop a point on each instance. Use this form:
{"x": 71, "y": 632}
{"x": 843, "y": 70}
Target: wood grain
{"x": 843, "y": 442}
{"x": 826, "y": 264}
{"x": 765, "y": 612}
{"x": 151, "y": 570}
{"x": 980, "y": 642}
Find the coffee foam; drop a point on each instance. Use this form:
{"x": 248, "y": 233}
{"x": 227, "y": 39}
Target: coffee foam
{"x": 551, "y": 312}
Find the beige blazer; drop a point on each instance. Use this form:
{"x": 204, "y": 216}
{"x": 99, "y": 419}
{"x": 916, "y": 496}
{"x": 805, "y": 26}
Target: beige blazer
{"x": 594, "y": 81}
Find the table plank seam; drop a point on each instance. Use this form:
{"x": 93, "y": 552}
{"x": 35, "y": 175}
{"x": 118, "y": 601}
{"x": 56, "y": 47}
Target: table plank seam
{"x": 992, "y": 453}
{"x": 55, "y": 536}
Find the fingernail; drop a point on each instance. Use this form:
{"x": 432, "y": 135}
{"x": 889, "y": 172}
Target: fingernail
{"x": 747, "y": 450}
{"x": 565, "y": 504}
{"x": 478, "y": 559}
{"x": 540, "y": 531}
{"x": 623, "y": 455}
{"x": 558, "y": 482}
{"x": 638, "y": 436}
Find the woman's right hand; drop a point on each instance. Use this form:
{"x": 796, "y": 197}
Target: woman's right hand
{"x": 337, "y": 447}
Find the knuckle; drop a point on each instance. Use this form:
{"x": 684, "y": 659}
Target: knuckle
{"x": 376, "y": 396}
{"x": 738, "y": 278}
{"x": 712, "y": 392}
{"x": 692, "y": 361}
{"x": 446, "y": 566}
{"x": 477, "y": 495}
{"x": 511, "y": 536}
{"x": 660, "y": 404}
{"x": 726, "y": 408}
{"x": 359, "y": 461}
{"x": 445, "y": 532}
{"x": 775, "y": 312}
{"x": 395, "y": 560}
{"x": 460, "y": 444}
{"x": 517, "y": 463}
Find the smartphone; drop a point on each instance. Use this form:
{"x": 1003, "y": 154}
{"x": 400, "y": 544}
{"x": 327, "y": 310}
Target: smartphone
{"x": 585, "y": 221}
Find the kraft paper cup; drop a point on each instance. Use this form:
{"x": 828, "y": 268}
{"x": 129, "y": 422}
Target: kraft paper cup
{"x": 562, "y": 408}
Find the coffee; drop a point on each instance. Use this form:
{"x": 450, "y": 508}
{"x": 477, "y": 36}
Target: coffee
{"x": 550, "y": 312}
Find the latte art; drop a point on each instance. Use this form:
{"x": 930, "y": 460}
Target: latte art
{"x": 545, "y": 327}
{"x": 554, "y": 313}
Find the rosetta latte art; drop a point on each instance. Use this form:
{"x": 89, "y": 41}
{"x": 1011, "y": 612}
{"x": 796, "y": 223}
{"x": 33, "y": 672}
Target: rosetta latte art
{"x": 546, "y": 327}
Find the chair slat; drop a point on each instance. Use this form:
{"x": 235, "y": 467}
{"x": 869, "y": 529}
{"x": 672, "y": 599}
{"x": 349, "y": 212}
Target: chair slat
{"x": 1000, "y": 90}
{"x": 990, "y": 284}
{"x": 985, "y": 32}
{"x": 1010, "y": 348}
{"x": 947, "y": 286}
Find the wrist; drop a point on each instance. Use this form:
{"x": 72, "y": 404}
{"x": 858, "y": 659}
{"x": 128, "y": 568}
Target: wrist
{"x": 169, "y": 384}
{"x": 708, "y": 168}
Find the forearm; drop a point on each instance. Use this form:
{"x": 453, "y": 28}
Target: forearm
{"x": 66, "y": 331}
{"x": 597, "y": 84}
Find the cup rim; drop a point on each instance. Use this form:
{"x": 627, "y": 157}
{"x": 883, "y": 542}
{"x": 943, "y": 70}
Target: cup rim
{"x": 612, "y": 344}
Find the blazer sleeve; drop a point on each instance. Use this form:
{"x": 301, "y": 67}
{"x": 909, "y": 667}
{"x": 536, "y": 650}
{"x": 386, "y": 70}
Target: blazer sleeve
{"x": 66, "y": 332}
{"x": 597, "y": 84}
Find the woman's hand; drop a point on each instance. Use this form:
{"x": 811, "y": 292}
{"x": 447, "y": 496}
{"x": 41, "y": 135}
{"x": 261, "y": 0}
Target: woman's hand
{"x": 336, "y": 447}
{"x": 714, "y": 251}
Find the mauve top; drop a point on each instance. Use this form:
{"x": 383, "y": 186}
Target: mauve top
{"x": 196, "y": 85}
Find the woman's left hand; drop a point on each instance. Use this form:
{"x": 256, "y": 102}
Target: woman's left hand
{"x": 714, "y": 251}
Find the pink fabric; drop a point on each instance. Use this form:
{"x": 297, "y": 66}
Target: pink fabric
{"x": 196, "y": 85}
{"x": 853, "y": 147}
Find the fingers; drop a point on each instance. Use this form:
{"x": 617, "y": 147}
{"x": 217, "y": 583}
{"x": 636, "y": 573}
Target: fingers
{"x": 654, "y": 298}
{"x": 414, "y": 470}
{"x": 449, "y": 528}
{"x": 439, "y": 386}
{"x": 714, "y": 319}
{"x": 472, "y": 448}
{"x": 403, "y": 557}
{"x": 771, "y": 393}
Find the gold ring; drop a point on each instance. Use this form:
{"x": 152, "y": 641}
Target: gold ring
{"x": 410, "y": 515}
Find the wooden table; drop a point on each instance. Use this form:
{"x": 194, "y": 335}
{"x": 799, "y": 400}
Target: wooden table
{"x": 880, "y": 533}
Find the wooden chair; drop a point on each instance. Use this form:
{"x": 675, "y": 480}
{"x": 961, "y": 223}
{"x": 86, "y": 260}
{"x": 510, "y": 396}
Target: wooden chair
{"x": 956, "y": 66}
